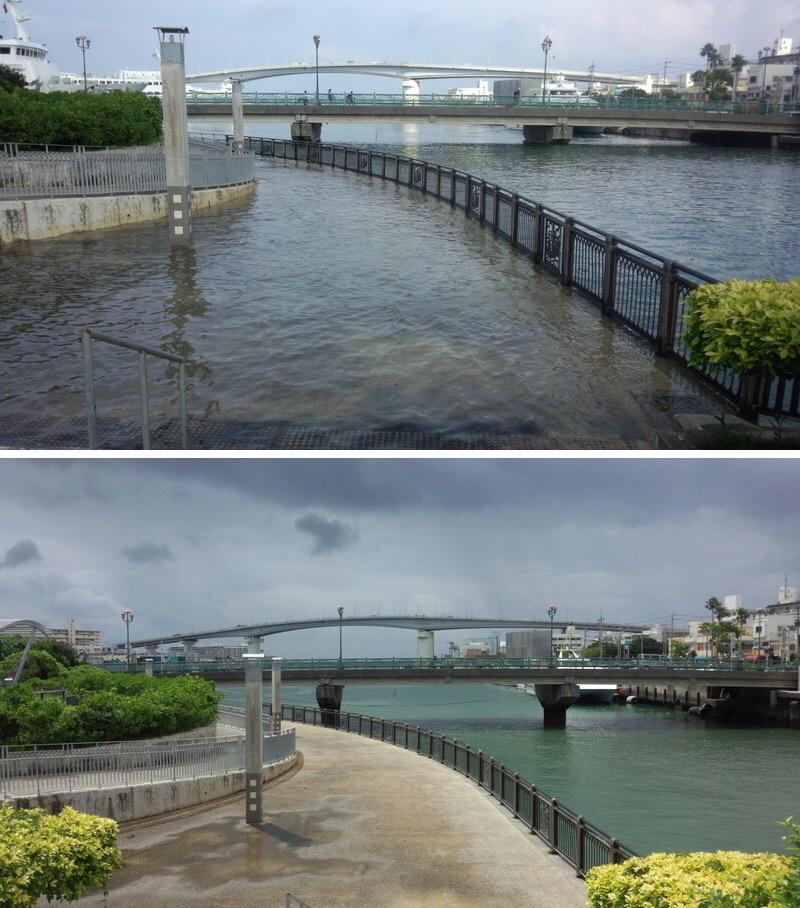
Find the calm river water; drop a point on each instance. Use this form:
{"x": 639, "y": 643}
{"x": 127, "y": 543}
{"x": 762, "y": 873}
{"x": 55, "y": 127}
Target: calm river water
{"x": 657, "y": 779}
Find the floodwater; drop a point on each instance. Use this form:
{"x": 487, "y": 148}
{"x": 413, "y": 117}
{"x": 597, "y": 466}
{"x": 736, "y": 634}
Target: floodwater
{"x": 655, "y": 778}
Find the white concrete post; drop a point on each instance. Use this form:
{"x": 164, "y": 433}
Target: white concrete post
{"x": 176, "y": 133}
{"x": 254, "y": 736}
{"x": 238, "y": 117}
{"x": 424, "y": 644}
{"x": 148, "y": 667}
{"x": 188, "y": 649}
{"x": 276, "y": 694}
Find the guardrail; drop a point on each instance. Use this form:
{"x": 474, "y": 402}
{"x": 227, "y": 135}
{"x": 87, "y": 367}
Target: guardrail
{"x": 49, "y": 174}
{"x": 644, "y": 290}
{"x": 581, "y": 844}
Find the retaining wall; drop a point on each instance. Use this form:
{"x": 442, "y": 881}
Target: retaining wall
{"x": 41, "y": 219}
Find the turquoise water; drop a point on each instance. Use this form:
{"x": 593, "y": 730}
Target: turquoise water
{"x": 656, "y": 779}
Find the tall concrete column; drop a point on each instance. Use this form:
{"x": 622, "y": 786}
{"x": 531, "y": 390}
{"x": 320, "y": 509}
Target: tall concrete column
{"x": 276, "y": 694}
{"x": 424, "y": 644}
{"x": 556, "y": 699}
{"x": 547, "y": 135}
{"x": 238, "y": 117}
{"x": 188, "y": 649}
{"x": 148, "y": 667}
{"x": 176, "y": 132}
{"x": 254, "y": 737}
{"x": 411, "y": 90}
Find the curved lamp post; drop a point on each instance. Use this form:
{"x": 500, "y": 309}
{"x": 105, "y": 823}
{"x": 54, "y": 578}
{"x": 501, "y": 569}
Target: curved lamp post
{"x": 340, "y": 612}
{"x": 84, "y": 44}
{"x": 127, "y": 617}
{"x": 551, "y": 611}
{"x": 546, "y": 45}
{"x": 316, "y": 52}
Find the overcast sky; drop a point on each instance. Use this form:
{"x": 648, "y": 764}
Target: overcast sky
{"x": 617, "y": 35}
{"x": 194, "y": 544}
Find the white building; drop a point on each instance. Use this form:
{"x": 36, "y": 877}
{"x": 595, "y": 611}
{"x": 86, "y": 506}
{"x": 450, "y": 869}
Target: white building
{"x": 773, "y": 76}
{"x": 779, "y": 626}
{"x": 481, "y": 90}
{"x": 84, "y": 641}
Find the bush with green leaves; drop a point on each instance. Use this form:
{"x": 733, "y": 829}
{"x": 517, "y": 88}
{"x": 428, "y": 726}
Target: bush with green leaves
{"x": 53, "y": 857}
{"x": 78, "y": 118}
{"x": 39, "y": 664}
{"x": 747, "y": 326}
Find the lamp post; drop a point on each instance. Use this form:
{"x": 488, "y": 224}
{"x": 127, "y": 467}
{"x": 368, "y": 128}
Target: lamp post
{"x": 316, "y": 53}
{"x": 84, "y": 44}
{"x": 340, "y": 611}
{"x": 127, "y": 617}
{"x": 546, "y": 45}
{"x": 551, "y": 611}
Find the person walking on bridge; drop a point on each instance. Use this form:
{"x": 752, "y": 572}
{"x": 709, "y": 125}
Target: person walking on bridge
{"x": 330, "y": 96}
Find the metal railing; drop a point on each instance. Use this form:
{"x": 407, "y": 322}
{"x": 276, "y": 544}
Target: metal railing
{"x": 88, "y": 335}
{"x": 644, "y": 290}
{"x": 581, "y": 844}
{"x": 81, "y": 173}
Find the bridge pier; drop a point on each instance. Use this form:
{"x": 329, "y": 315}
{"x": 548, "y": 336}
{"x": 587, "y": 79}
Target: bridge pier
{"x": 411, "y": 90}
{"x": 303, "y": 131}
{"x": 188, "y": 648}
{"x": 254, "y": 737}
{"x": 555, "y": 700}
{"x": 424, "y": 644}
{"x": 176, "y": 134}
{"x": 237, "y": 97}
{"x": 547, "y": 135}
{"x": 276, "y": 694}
{"x": 329, "y": 700}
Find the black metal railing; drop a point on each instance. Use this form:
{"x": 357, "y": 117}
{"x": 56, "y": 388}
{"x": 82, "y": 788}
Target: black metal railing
{"x": 644, "y": 290}
{"x": 566, "y": 833}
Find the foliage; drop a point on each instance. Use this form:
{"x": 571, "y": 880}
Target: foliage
{"x": 645, "y": 645}
{"x": 11, "y": 79}
{"x": 39, "y": 664}
{"x": 789, "y": 895}
{"x": 633, "y": 93}
{"x": 748, "y": 326}
{"x": 719, "y": 634}
{"x": 53, "y": 857}
{"x": 679, "y": 649}
{"x": 592, "y": 651}
{"x": 716, "y": 608}
{"x": 110, "y": 708}
{"x": 711, "y": 54}
{"x": 722, "y": 879}
{"x": 78, "y": 118}
{"x": 66, "y": 655}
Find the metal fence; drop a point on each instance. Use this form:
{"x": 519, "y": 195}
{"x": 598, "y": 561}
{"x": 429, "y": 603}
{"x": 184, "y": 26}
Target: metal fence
{"x": 52, "y": 174}
{"x": 639, "y": 287}
{"x": 567, "y": 834}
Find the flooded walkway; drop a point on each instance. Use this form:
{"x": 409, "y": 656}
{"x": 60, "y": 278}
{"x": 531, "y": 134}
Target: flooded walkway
{"x": 361, "y": 823}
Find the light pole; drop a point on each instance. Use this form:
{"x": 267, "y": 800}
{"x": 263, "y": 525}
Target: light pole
{"x": 84, "y": 44}
{"x": 127, "y": 617}
{"x": 340, "y": 610}
{"x": 316, "y": 53}
{"x": 551, "y": 611}
{"x": 546, "y": 45}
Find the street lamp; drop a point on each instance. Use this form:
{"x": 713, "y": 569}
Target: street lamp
{"x": 546, "y": 45}
{"x": 84, "y": 44}
{"x": 127, "y": 617}
{"x": 551, "y": 611}
{"x": 316, "y": 52}
{"x": 340, "y": 610}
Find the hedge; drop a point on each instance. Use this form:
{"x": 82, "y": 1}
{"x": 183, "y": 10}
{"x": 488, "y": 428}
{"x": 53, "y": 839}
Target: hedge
{"x": 53, "y": 857}
{"x": 77, "y": 118}
{"x": 110, "y": 708}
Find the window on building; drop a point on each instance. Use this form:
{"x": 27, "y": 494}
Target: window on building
{"x": 753, "y": 80}
{"x": 5, "y": 50}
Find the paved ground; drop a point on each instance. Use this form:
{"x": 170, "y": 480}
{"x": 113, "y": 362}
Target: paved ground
{"x": 360, "y": 823}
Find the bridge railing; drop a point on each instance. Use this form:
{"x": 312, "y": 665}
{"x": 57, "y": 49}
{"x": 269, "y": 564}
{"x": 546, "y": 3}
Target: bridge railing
{"x": 639, "y": 287}
{"x": 568, "y": 834}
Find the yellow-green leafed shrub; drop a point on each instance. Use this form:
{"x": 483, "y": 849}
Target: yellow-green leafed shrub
{"x": 55, "y": 857}
{"x": 722, "y": 879}
{"x": 749, "y": 326}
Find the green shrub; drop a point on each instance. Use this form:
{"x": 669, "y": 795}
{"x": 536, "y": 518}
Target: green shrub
{"x": 722, "y": 879}
{"x": 77, "y": 118}
{"x": 53, "y": 857}
{"x": 39, "y": 664}
{"x": 748, "y": 326}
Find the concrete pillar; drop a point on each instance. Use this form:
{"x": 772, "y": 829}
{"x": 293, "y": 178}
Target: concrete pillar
{"x": 556, "y": 699}
{"x": 276, "y": 694}
{"x": 148, "y": 667}
{"x": 547, "y": 135}
{"x": 176, "y": 134}
{"x": 303, "y": 131}
{"x": 188, "y": 649}
{"x": 254, "y": 737}
{"x": 794, "y": 714}
{"x": 424, "y": 644}
{"x": 254, "y": 644}
{"x": 238, "y": 117}
{"x": 152, "y": 648}
{"x": 411, "y": 90}
{"x": 329, "y": 700}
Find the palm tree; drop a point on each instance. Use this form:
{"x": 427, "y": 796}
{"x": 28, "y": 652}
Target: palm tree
{"x": 742, "y": 614}
{"x": 711, "y": 54}
{"x": 738, "y": 63}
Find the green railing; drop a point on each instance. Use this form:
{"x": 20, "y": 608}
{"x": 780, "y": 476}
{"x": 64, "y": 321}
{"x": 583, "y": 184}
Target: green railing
{"x": 528, "y": 101}
{"x": 567, "y": 834}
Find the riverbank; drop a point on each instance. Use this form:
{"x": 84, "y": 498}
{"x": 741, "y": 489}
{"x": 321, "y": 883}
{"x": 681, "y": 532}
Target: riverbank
{"x": 360, "y": 823}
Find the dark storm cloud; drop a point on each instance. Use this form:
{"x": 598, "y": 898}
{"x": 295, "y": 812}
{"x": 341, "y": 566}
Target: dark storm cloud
{"x": 148, "y": 553}
{"x": 328, "y": 534}
{"x": 21, "y": 552}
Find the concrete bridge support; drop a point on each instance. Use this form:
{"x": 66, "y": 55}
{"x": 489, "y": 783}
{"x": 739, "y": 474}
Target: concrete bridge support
{"x": 556, "y": 699}
{"x": 254, "y": 738}
{"x": 276, "y": 694}
{"x": 547, "y": 135}
{"x": 424, "y": 644}
{"x": 237, "y": 95}
{"x": 188, "y": 648}
{"x": 176, "y": 135}
{"x": 411, "y": 90}
{"x": 329, "y": 700}
{"x": 303, "y": 131}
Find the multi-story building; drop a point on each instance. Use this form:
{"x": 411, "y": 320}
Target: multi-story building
{"x": 84, "y": 641}
{"x": 781, "y": 623}
{"x": 210, "y": 653}
{"x": 773, "y": 76}
{"x": 528, "y": 644}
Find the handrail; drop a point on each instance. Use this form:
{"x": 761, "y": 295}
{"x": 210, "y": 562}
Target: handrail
{"x": 647, "y": 294}
{"x": 581, "y": 844}
{"x": 142, "y": 351}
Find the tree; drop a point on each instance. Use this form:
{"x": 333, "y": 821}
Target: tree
{"x": 716, "y": 608}
{"x": 633, "y": 93}
{"x": 742, "y": 616}
{"x": 711, "y": 55}
{"x": 718, "y": 83}
{"x": 719, "y": 635}
{"x": 644, "y": 645}
{"x": 679, "y": 649}
{"x": 738, "y": 63}
{"x": 39, "y": 664}
{"x": 11, "y": 79}
{"x": 592, "y": 651}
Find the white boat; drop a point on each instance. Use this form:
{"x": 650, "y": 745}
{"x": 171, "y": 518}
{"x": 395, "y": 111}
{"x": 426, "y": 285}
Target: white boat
{"x": 19, "y": 52}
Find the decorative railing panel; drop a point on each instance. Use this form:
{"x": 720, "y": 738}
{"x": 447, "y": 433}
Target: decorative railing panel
{"x": 588, "y": 263}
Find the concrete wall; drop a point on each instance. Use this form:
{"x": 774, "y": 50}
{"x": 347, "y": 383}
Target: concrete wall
{"x": 135, "y": 802}
{"x": 39, "y": 219}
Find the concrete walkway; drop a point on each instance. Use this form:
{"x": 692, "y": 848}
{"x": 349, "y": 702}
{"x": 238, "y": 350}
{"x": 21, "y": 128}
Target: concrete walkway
{"x": 360, "y": 823}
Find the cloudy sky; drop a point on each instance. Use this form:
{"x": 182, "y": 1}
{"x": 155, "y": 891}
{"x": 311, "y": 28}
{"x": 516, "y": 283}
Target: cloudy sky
{"x": 194, "y": 544}
{"x": 618, "y": 35}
